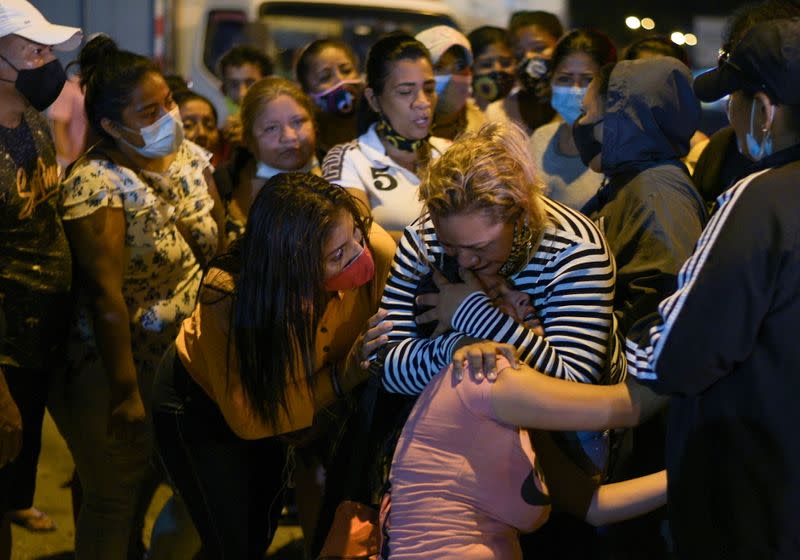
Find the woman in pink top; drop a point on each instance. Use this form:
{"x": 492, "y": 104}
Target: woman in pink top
{"x": 465, "y": 480}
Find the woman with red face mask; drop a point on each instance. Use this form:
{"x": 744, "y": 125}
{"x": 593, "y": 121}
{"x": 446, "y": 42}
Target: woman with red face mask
{"x": 272, "y": 342}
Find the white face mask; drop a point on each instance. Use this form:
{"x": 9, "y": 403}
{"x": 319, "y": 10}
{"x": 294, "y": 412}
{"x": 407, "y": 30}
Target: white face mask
{"x": 161, "y": 138}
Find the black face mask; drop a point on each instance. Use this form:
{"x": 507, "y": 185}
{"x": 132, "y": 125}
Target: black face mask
{"x": 588, "y": 146}
{"x": 40, "y": 86}
{"x": 532, "y": 73}
{"x": 493, "y": 86}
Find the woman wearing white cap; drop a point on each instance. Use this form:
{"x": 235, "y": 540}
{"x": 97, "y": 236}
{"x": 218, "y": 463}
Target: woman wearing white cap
{"x": 452, "y": 69}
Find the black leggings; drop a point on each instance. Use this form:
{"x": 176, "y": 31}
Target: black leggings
{"x": 28, "y": 388}
{"x": 233, "y": 488}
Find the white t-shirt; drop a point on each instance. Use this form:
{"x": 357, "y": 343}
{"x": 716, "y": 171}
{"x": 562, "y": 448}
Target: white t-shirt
{"x": 392, "y": 189}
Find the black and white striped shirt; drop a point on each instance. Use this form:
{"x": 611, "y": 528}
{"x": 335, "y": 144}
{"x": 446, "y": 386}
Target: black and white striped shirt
{"x": 571, "y": 282}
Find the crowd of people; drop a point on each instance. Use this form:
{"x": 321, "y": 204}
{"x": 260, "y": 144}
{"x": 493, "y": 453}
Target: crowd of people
{"x": 497, "y": 287}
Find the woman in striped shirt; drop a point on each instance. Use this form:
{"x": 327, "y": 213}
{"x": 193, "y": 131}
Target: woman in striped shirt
{"x": 485, "y": 211}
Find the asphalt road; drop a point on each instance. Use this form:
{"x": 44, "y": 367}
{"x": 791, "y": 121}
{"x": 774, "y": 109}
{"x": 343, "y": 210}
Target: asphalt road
{"x": 55, "y": 469}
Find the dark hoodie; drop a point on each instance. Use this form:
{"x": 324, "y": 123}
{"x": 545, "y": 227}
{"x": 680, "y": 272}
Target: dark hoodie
{"x": 650, "y": 211}
{"x": 652, "y": 216}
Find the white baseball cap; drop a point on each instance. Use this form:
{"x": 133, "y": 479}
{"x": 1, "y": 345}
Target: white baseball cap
{"x": 440, "y": 38}
{"x": 19, "y": 17}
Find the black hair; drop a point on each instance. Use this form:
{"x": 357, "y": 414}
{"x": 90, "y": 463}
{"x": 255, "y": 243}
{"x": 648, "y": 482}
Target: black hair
{"x": 380, "y": 59}
{"x": 108, "y": 78}
{"x": 245, "y": 54}
{"x": 176, "y": 83}
{"x": 303, "y": 64}
{"x": 278, "y": 296}
{"x": 546, "y": 20}
{"x": 186, "y": 95}
{"x": 657, "y": 44}
{"x": 594, "y": 43}
{"x": 744, "y": 18}
{"x": 482, "y": 38}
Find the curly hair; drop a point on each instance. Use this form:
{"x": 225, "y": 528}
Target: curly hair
{"x": 489, "y": 171}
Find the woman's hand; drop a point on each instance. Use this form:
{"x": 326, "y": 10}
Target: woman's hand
{"x": 446, "y": 302}
{"x": 126, "y": 416}
{"x": 371, "y": 339}
{"x": 482, "y": 359}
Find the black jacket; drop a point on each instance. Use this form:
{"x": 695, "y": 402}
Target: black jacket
{"x": 726, "y": 347}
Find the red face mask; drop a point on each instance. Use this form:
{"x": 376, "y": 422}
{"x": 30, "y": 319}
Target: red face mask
{"x": 357, "y": 273}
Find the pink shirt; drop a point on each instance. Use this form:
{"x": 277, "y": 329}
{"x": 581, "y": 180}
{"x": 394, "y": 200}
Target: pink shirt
{"x": 462, "y": 483}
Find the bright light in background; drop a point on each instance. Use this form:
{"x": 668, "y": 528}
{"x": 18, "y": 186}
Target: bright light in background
{"x": 633, "y": 22}
{"x": 648, "y": 23}
{"x": 690, "y": 39}
{"x": 678, "y": 38}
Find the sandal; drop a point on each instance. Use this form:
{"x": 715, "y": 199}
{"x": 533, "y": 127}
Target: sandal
{"x": 33, "y": 520}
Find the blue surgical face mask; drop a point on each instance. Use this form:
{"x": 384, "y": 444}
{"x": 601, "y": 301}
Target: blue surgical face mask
{"x": 567, "y": 102}
{"x": 442, "y": 83}
{"x": 757, "y": 151}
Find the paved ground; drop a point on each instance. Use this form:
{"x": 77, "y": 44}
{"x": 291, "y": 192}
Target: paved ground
{"x": 55, "y": 468}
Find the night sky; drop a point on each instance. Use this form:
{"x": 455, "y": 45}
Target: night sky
{"x": 670, "y": 15}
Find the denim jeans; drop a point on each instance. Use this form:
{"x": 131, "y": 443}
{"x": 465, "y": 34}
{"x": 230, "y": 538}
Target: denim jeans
{"x": 233, "y": 488}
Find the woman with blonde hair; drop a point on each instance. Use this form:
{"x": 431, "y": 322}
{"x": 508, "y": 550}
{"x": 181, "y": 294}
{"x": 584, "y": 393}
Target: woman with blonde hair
{"x": 487, "y": 219}
{"x": 280, "y": 136}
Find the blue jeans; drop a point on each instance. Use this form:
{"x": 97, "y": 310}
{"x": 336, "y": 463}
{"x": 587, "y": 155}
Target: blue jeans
{"x": 233, "y": 488}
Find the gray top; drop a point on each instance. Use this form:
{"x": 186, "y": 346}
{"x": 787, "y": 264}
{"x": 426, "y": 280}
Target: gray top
{"x": 565, "y": 178}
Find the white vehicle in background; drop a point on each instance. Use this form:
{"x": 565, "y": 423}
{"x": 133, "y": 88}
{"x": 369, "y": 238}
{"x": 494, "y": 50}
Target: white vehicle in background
{"x": 205, "y": 29}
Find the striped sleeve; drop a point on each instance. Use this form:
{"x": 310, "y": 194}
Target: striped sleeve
{"x": 572, "y": 279}
{"x": 712, "y": 319}
{"x": 411, "y": 362}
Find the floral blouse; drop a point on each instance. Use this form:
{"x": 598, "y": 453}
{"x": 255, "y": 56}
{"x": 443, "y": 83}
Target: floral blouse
{"x": 161, "y": 275}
